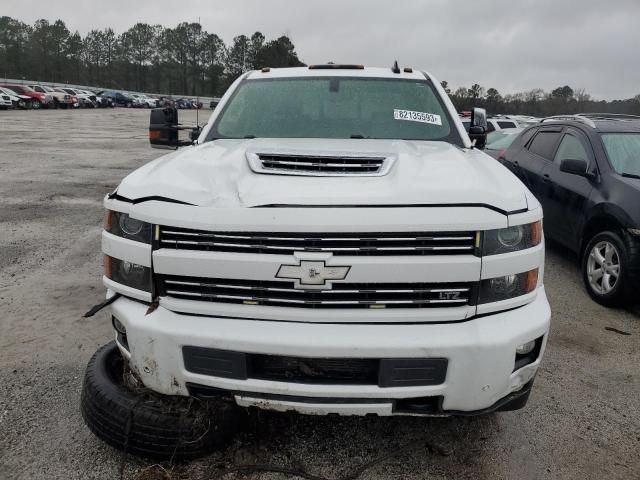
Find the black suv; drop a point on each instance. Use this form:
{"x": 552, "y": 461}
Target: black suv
{"x": 585, "y": 171}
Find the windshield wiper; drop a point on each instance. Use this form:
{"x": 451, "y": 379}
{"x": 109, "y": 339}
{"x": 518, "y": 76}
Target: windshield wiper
{"x": 630, "y": 175}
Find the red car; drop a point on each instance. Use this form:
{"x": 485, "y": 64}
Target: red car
{"x": 38, "y": 99}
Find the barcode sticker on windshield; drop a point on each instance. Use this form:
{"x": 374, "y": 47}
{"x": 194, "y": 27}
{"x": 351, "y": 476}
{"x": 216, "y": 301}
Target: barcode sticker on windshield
{"x": 417, "y": 116}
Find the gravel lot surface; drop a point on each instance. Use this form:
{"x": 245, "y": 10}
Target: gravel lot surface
{"x": 582, "y": 421}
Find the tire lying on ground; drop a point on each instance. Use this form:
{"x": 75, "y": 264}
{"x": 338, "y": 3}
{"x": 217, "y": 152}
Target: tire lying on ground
{"x": 145, "y": 424}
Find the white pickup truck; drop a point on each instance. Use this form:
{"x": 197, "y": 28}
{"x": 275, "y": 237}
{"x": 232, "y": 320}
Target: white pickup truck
{"x": 332, "y": 242}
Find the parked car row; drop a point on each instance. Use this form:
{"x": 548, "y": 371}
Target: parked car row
{"x": 182, "y": 103}
{"x": 42, "y": 96}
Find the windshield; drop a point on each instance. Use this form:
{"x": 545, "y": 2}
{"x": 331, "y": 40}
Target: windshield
{"x": 335, "y": 107}
{"x": 623, "y": 150}
{"x": 501, "y": 140}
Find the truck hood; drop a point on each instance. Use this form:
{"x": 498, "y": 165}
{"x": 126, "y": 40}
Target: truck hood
{"x": 217, "y": 174}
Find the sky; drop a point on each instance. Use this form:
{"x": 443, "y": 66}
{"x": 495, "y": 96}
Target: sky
{"x": 512, "y": 45}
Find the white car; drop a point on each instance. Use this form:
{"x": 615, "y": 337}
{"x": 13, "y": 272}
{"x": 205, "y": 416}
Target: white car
{"x": 144, "y": 101}
{"x": 17, "y": 100}
{"x": 493, "y": 124}
{"x": 59, "y": 98}
{"x": 85, "y": 99}
{"x": 5, "y": 101}
{"x": 331, "y": 243}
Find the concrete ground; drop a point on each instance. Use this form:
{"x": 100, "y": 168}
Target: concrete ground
{"x": 582, "y": 421}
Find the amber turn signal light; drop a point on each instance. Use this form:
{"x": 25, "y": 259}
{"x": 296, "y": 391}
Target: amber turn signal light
{"x": 108, "y": 267}
{"x": 536, "y": 233}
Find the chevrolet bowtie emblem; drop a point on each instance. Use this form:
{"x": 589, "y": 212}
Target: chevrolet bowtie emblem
{"x": 312, "y": 274}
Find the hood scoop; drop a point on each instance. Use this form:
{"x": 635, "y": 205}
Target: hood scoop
{"x": 320, "y": 164}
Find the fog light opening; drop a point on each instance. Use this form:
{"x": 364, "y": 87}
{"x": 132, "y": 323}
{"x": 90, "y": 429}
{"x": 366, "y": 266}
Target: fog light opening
{"x": 121, "y": 333}
{"x": 118, "y": 326}
{"x": 526, "y": 348}
{"x": 527, "y": 353}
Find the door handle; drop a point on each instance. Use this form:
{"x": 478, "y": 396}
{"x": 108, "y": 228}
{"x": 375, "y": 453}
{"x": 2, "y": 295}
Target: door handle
{"x": 546, "y": 178}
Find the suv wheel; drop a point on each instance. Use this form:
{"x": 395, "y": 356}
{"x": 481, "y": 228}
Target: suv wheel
{"x": 36, "y": 104}
{"x": 606, "y": 269}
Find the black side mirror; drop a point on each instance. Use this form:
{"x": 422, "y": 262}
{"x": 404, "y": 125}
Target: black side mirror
{"x": 163, "y": 128}
{"x": 575, "y": 167}
{"x": 478, "y": 127}
{"x": 195, "y": 133}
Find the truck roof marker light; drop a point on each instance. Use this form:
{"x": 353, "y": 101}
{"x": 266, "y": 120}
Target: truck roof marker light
{"x": 334, "y": 66}
{"x": 250, "y": 302}
{"x": 408, "y": 70}
{"x": 266, "y": 70}
{"x": 377, "y": 306}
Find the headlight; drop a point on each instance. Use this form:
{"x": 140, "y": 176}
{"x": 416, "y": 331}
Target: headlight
{"x": 512, "y": 239}
{"x": 123, "y": 225}
{"x": 127, "y": 273}
{"x": 509, "y": 286}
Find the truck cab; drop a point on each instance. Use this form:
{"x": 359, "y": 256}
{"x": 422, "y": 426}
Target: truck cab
{"x": 333, "y": 241}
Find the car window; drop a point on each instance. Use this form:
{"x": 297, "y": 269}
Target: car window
{"x": 495, "y": 136}
{"x": 623, "y": 150}
{"x": 490, "y": 127}
{"x": 503, "y": 142}
{"x": 571, "y": 148}
{"x": 544, "y": 143}
{"x": 527, "y": 135}
{"x": 507, "y": 125}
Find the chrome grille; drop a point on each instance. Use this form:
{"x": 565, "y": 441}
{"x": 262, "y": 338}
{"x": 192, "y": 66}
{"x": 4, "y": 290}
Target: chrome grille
{"x": 290, "y": 162}
{"x": 426, "y": 243}
{"x": 321, "y": 164}
{"x": 341, "y": 295}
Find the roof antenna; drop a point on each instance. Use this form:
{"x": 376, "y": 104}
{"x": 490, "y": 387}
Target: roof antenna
{"x": 395, "y": 68}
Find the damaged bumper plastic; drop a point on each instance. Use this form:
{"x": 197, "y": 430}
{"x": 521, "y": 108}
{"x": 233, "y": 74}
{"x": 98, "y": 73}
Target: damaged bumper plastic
{"x": 480, "y": 357}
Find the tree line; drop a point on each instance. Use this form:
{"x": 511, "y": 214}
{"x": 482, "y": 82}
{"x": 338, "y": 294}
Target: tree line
{"x": 185, "y": 60}
{"x": 537, "y": 102}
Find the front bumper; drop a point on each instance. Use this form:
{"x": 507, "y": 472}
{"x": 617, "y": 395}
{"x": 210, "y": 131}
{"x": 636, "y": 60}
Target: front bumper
{"x": 480, "y": 354}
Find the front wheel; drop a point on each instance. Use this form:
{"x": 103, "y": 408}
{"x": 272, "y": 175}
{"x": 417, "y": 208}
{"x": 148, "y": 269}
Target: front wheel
{"x": 608, "y": 267}
{"x": 37, "y": 104}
